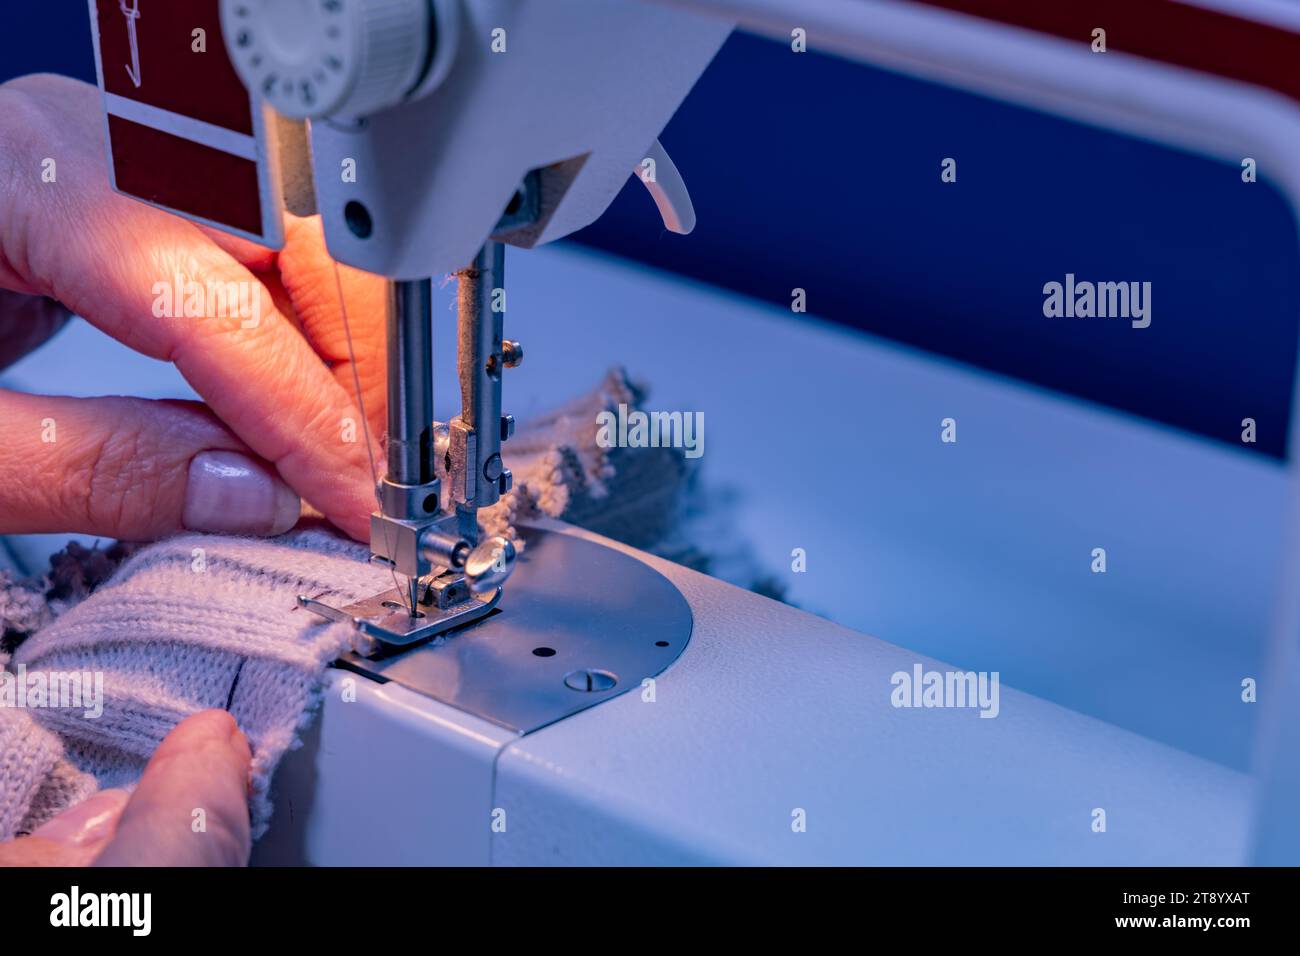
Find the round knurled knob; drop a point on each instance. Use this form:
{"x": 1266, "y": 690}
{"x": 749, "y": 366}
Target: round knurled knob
{"x": 319, "y": 58}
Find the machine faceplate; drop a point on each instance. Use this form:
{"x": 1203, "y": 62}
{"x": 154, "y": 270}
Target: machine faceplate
{"x": 575, "y": 614}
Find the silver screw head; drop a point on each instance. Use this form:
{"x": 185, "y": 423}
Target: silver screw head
{"x": 490, "y": 564}
{"x": 512, "y": 353}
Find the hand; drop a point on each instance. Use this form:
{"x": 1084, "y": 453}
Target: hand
{"x": 278, "y": 419}
{"x": 201, "y": 765}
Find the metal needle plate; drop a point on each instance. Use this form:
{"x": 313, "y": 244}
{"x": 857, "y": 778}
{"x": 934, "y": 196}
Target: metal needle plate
{"x": 579, "y": 623}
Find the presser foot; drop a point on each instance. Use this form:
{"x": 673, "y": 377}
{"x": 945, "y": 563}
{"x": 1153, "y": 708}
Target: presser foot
{"x": 386, "y": 624}
{"x": 582, "y": 623}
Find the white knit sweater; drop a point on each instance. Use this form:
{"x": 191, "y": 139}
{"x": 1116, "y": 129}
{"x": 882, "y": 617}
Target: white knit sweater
{"x": 195, "y": 622}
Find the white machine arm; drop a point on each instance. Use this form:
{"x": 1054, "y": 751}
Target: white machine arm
{"x": 430, "y": 119}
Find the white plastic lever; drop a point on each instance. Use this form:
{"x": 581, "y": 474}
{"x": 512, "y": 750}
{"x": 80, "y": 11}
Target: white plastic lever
{"x": 660, "y": 176}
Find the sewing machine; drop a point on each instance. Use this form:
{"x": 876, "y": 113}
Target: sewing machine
{"x": 662, "y": 726}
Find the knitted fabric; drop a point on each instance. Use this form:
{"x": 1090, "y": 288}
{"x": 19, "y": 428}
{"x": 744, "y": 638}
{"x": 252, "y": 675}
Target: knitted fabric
{"x": 191, "y": 623}
{"x": 202, "y": 621}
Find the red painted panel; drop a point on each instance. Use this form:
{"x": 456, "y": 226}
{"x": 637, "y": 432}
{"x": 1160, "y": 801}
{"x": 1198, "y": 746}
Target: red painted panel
{"x": 186, "y": 176}
{"x": 1163, "y": 30}
{"x": 170, "y": 74}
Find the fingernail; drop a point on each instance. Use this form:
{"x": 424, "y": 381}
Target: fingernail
{"x": 90, "y": 821}
{"x": 231, "y": 493}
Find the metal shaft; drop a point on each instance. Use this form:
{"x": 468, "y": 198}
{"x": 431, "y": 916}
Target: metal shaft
{"x": 480, "y": 361}
{"x": 410, "y": 382}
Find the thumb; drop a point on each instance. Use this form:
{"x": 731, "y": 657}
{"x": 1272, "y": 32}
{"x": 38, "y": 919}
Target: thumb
{"x": 191, "y": 806}
{"x": 132, "y": 469}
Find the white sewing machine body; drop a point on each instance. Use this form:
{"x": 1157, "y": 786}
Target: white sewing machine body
{"x": 772, "y": 737}
{"x": 771, "y": 740}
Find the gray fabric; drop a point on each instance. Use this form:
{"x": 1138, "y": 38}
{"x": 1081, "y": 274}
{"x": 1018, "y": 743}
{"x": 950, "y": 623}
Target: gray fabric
{"x": 191, "y": 623}
{"x": 201, "y": 621}
{"x": 36, "y": 780}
